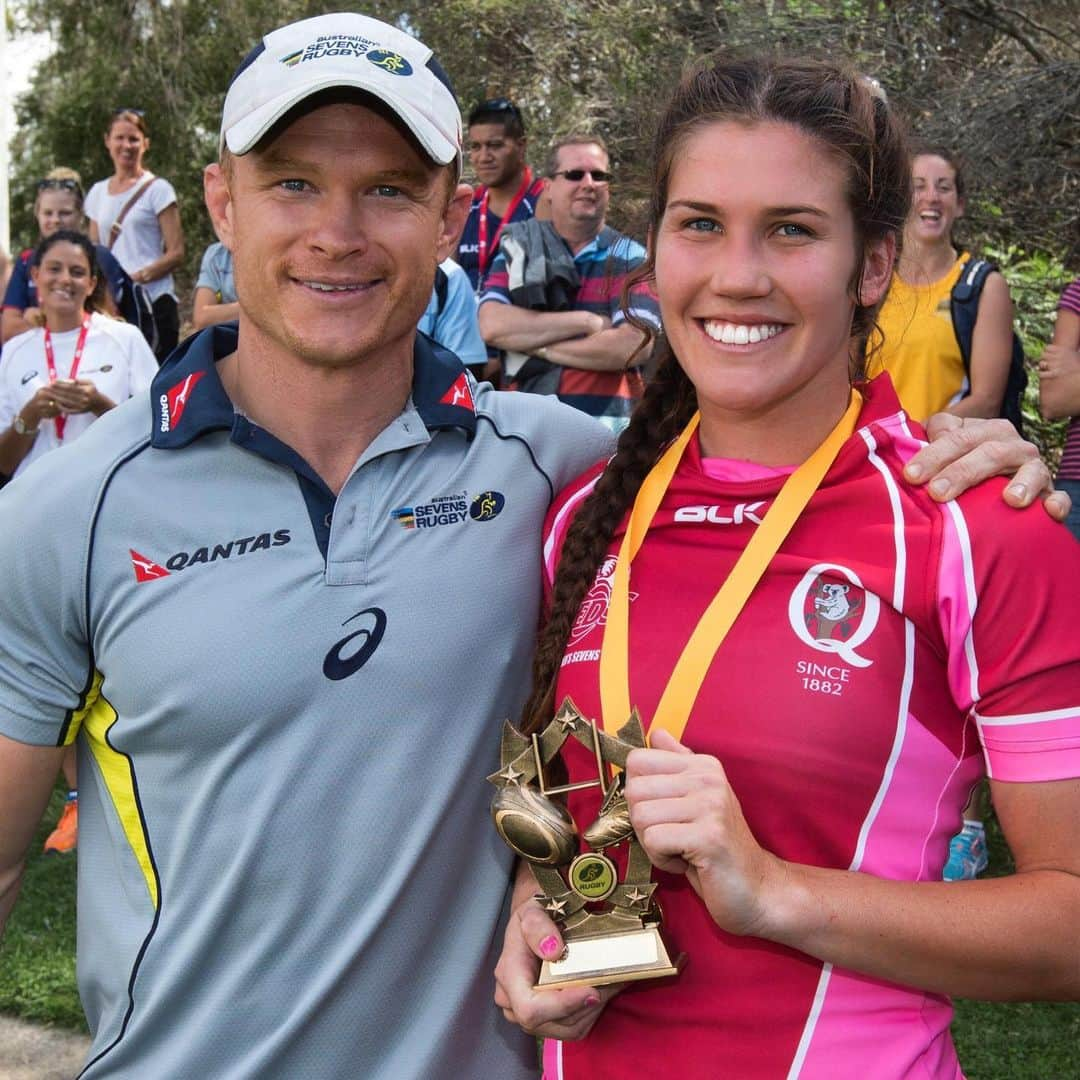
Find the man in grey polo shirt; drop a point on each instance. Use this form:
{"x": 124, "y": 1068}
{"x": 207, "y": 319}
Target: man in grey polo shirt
{"x": 257, "y": 604}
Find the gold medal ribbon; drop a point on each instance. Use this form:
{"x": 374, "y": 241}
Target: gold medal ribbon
{"x": 683, "y": 686}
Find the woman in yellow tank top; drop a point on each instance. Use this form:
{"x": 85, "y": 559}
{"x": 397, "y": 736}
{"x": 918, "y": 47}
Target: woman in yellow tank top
{"x": 920, "y": 350}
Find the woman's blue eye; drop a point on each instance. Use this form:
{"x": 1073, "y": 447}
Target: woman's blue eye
{"x": 702, "y": 225}
{"x": 790, "y": 229}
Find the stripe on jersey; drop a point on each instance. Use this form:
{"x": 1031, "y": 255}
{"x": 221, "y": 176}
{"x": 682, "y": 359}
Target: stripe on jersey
{"x": 118, "y": 773}
{"x": 959, "y": 560}
{"x": 1014, "y": 746}
{"x": 561, "y": 523}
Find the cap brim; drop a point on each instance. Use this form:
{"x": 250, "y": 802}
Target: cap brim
{"x": 243, "y": 136}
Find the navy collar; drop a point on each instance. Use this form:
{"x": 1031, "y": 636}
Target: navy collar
{"x": 187, "y": 399}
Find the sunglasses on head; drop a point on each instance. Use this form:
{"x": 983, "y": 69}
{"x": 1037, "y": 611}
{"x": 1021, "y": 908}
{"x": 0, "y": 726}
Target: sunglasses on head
{"x": 499, "y": 104}
{"x": 140, "y": 113}
{"x": 576, "y": 175}
{"x": 53, "y": 184}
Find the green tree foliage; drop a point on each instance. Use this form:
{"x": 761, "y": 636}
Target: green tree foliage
{"x": 997, "y": 80}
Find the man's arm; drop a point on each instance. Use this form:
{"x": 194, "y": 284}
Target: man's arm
{"x": 613, "y": 349}
{"x": 506, "y": 326}
{"x": 27, "y": 775}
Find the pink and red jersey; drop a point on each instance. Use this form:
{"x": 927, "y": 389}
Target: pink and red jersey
{"x": 895, "y": 651}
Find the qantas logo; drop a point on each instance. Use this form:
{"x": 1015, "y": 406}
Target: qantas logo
{"x": 148, "y": 570}
{"x": 459, "y": 394}
{"x": 174, "y": 401}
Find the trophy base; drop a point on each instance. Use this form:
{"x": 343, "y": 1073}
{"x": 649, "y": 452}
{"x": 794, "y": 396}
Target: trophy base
{"x": 610, "y": 958}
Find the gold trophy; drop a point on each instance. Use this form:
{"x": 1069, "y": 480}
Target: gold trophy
{"x": 621, "y": 942}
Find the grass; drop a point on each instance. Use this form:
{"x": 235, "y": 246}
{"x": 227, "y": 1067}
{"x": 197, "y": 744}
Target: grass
{"x": 1021, "y": 1041}
{"x": 37, "y": 952}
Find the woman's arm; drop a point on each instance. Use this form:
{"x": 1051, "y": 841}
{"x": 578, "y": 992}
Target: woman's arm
{"x": 1002, "y": 939}
{"x": 991, "y": 351}
{"x": 172, "y": 236}
{"x": 208, "y": 311}
{"x": 40, "y": 409}
{"x": 1059, "y": 369}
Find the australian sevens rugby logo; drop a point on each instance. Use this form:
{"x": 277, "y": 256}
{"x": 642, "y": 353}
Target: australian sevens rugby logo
{"x": 831, "y": 615}
{"x": 393, "y": 62}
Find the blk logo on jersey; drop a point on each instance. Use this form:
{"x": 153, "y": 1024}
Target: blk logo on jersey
{"x": 459, "y": 394}
{"x": 174, "y": 401}
{"x": 148, "y": 570}
{"x": 831, "y": 612}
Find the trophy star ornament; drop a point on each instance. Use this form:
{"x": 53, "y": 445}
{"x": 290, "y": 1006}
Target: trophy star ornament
{"x": 610, "y": 926}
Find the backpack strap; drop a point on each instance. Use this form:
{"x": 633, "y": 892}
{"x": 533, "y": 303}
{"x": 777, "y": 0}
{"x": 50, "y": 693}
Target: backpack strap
{"x": 118, "y": 224}
{"x": 964, "y": 303}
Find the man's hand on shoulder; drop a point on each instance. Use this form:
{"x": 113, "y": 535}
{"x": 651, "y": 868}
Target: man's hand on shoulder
{"x": 964, "y": 452}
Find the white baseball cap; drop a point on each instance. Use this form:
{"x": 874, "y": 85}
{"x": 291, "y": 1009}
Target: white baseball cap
{"x": 344, "y": 49}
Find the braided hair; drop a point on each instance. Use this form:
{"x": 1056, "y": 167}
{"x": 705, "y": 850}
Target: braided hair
{"x": 850, "y": 116}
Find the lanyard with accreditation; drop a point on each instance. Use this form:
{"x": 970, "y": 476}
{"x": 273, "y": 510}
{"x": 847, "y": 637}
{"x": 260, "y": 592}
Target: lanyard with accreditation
{"x": 50, "y": 361}
{"x": 685, "y": 681}
{"x": 482, "y": 253}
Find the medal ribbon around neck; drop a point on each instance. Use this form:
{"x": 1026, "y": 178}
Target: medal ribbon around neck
{"x": 685, "y": 681}
{"x": 50, "y": 362}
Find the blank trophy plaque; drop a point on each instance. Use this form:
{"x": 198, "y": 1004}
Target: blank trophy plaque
{"x": 619, "y": 939}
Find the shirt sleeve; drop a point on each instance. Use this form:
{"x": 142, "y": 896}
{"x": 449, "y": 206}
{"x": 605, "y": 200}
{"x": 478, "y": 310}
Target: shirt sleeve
{"x": 8, "y": 407}
{"x": 17, "y": 296}
{"x": 161, "y": 195}
{"x": 496, "y": 285}
{"x": 208, "y": 273}
{"x": 142, "y": 364}
{"x": 1009, "y": 624}
{"x": 1070, "y": 298}
{"x": 46, "y": 670}
{"x": 92, "y": 208}
{"x": 456, "y": 327}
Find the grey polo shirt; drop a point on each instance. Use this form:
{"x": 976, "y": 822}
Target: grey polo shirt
{"x": 285, "y": 707}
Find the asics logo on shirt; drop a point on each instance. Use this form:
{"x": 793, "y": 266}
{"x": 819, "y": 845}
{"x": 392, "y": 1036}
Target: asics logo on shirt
{"x": 721, "y": 515}
{"x": 352, "y": 652}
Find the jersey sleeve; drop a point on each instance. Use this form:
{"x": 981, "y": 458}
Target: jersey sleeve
{"x": 1009, "y": 594}
{"x": 17, "y": 294}
{"x": 46, "y": 668}
{"x": 456, "y": 327}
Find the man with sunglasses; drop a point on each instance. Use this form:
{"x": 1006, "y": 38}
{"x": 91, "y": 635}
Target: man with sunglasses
{"x": 574, "y": 341}
{"x": 506, "y": 189}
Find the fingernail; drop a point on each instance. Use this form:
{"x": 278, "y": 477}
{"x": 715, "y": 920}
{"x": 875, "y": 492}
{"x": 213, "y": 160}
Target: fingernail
{"x": 914, "y": 472}
{"x": 593, "y": 999}
{"x": 550, "y": 945}
{"x": 940, "y": 487}
{"x": 1018, "y": 491}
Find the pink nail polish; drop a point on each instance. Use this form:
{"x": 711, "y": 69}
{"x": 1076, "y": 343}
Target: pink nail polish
{"x": 550, "y": 945}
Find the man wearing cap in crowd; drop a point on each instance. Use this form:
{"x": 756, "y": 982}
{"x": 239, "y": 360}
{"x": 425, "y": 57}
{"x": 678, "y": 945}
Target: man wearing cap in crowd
{"x": 255, "y": 605}
{"x": 261, "y": 617}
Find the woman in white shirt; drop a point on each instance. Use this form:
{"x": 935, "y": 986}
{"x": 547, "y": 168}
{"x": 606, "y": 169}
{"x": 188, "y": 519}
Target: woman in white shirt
{"x": 57, "y": 379}
{"x": 148, "y": 239}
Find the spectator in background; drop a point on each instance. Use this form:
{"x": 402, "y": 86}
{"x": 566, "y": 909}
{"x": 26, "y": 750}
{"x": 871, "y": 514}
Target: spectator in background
{"x": 507, "y": 191}
{"x": 215, "y": 291}
{"x": 552, "y": 298}
{"x": 1059, "y": 392}
{"x": 58, "y": 205}
{"x": 135, "y": 215}
{"x": 920, "y": 351}
{"x": 56, "y": 380}
{"x": 450, "y": 317}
